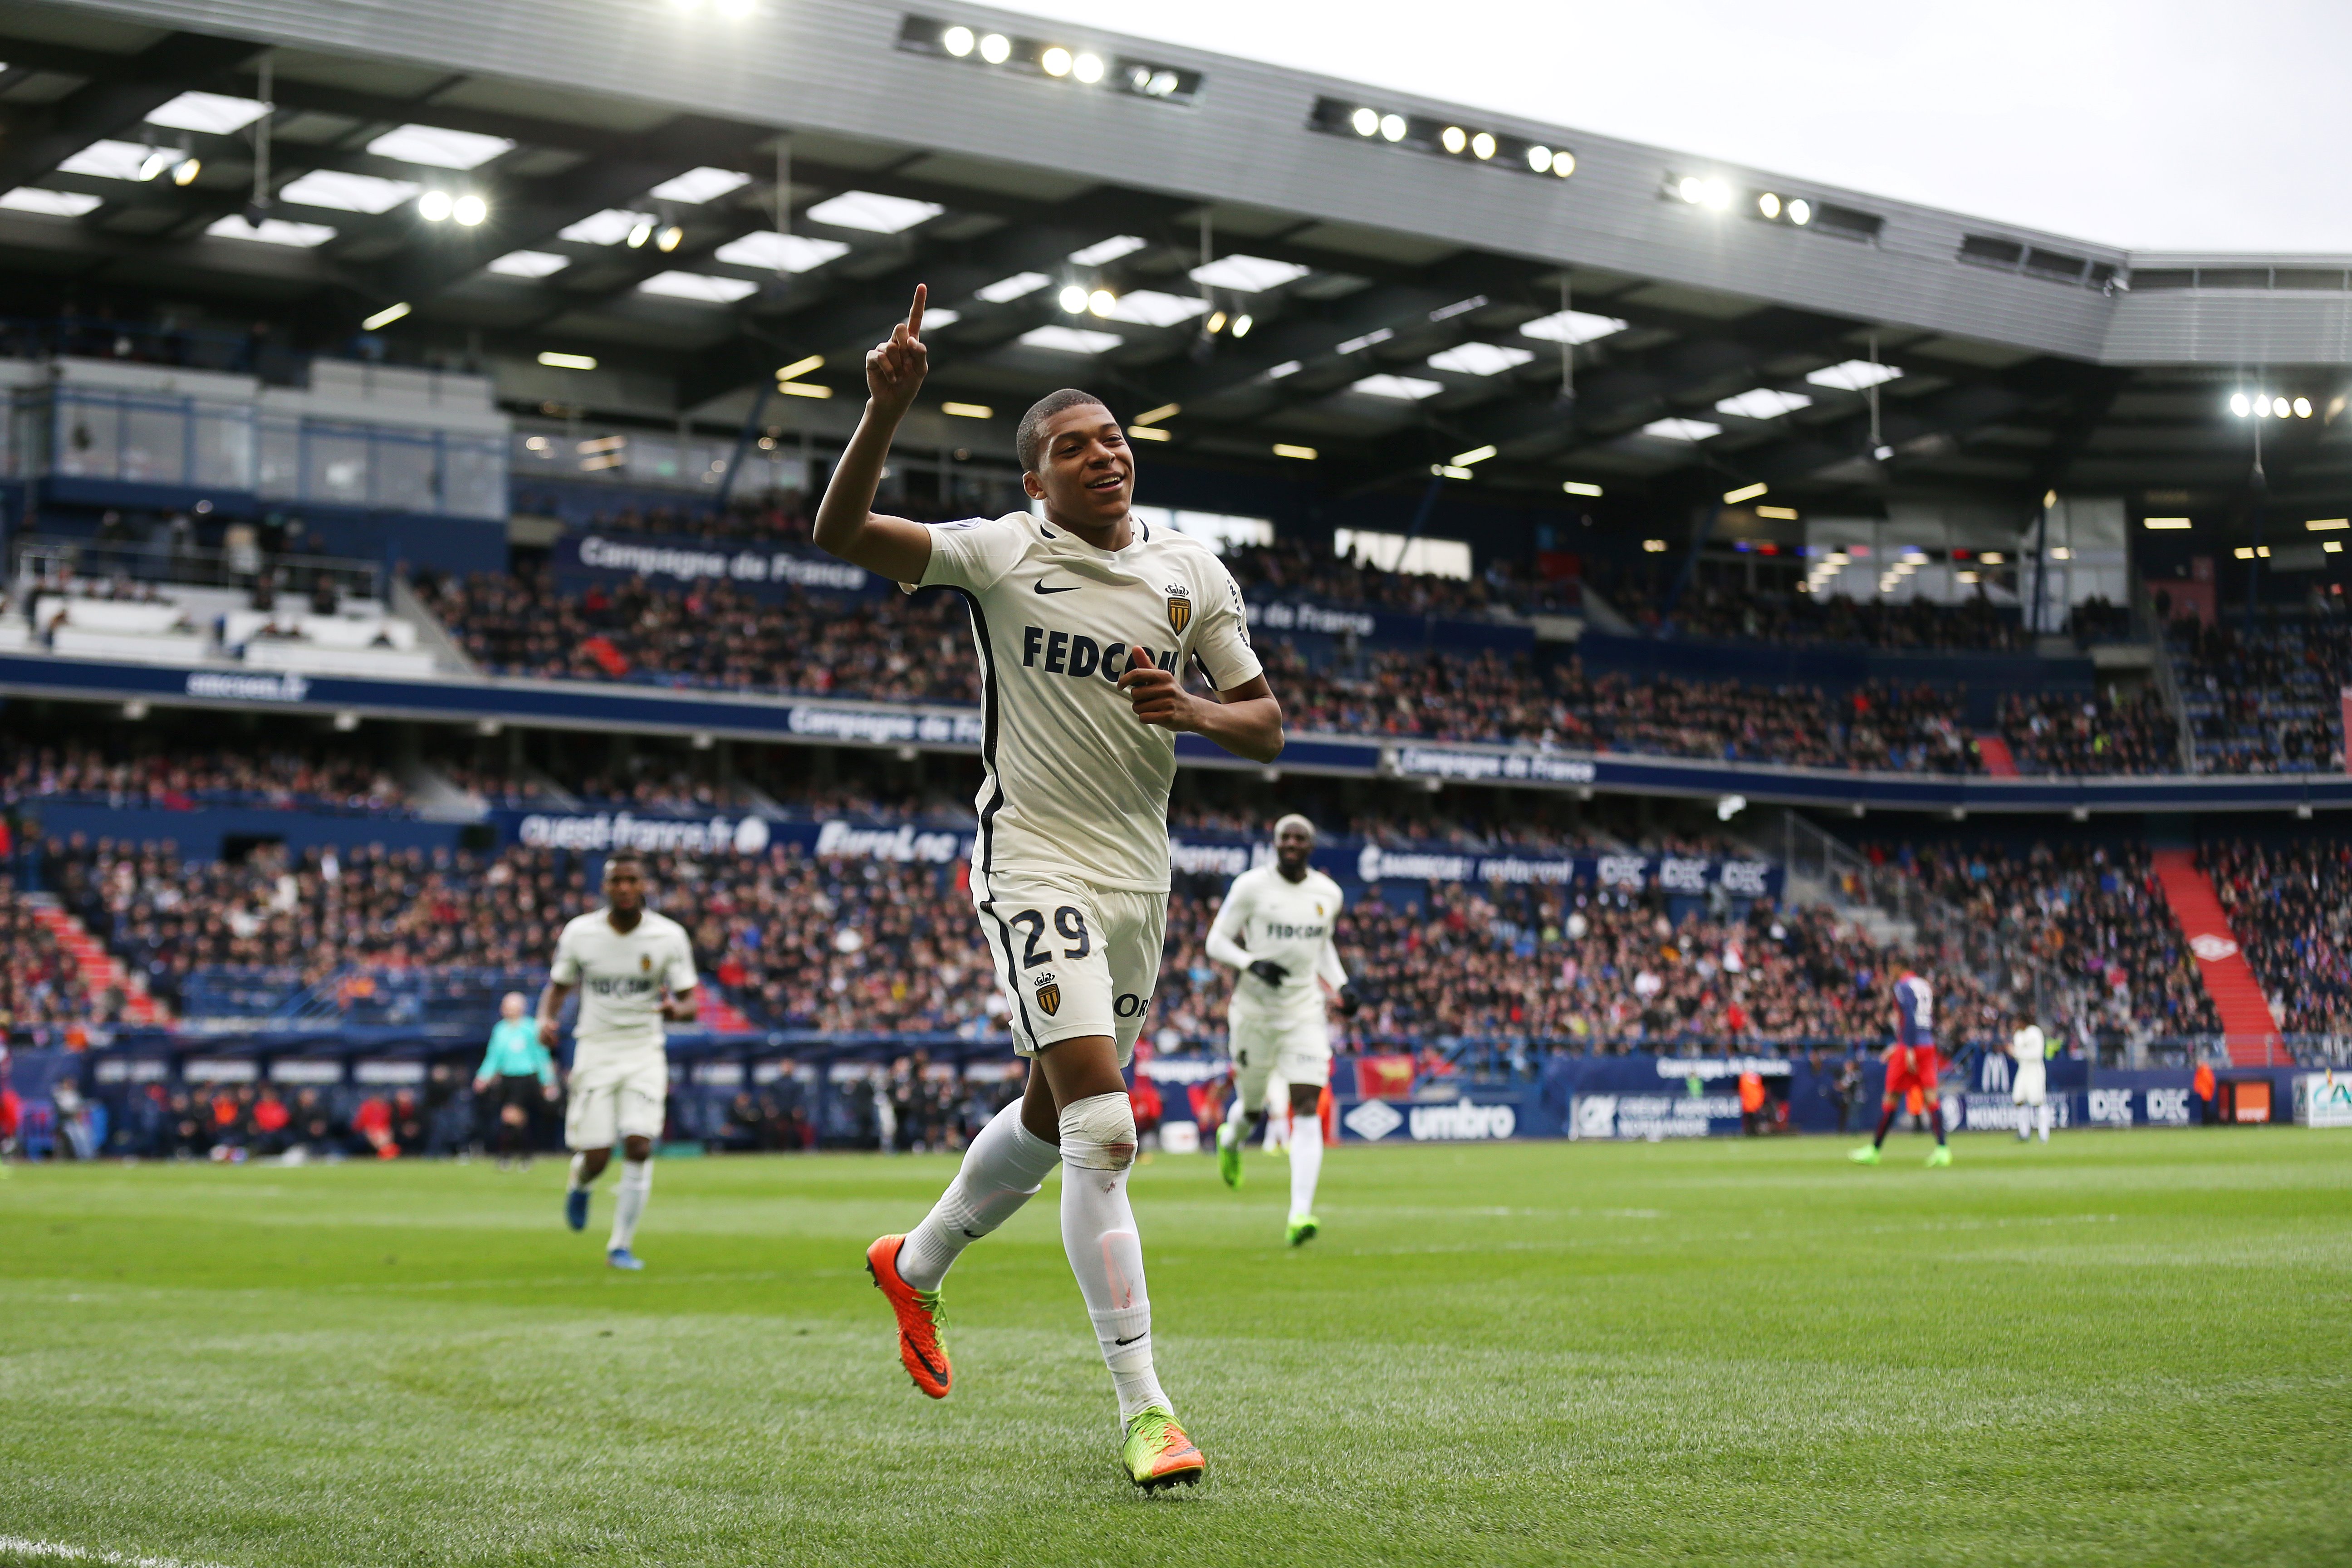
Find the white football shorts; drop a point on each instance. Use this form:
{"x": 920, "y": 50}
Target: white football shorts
{"x": 2026, "y": 1088}
{"x": 1297, "y": 1050}
{"x": 620, "y": 1098}
{"x": 1073, "y": 959}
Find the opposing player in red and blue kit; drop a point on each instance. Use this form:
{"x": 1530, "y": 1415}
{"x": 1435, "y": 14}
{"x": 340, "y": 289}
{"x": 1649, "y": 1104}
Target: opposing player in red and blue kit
{"x": 1912, "y": 1062}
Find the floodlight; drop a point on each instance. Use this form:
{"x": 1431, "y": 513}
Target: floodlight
{"x": 1102, "y": 301}
{"x": 185, "y": 171}
{"x": 1055, "y": 61}
{"x": 669, "y": 238}
{"x": 1216, "y": 323}
{"x": 1688, "y": 188}
{"x": 1768, "y": 204}
{"x": 1393, "y": 127}
{"x": 154, "y": 164}
{"x": 471, "y": 210}
{"x": 996, "y": 48}
{"x": 383, "y": 318}
{"x": 1539, "y": 159}
{"x": 433, "y": 207}
{"x": 555, "y": 361}
{"x": 640, "y": 232}
{"x": 2239, "y": 405}
{"x": 1074, "y": 299}
{"x": 1563, "y": 165}
{"x": 1241, "y": 324}
{"x": 958, "y": 41}
{"x": 1087, "y": 68}
{"x": 968, "y": 410}
{"x": 2302, "y": 404}
{"x": 1482, "y": 146}
{"x": 2262, "y": 405}
{"x": 799, "y": 367}
{"x": 1579, "y": 487}
{"x": 1366, "y": 122}
{"x": 1715, "y": 195}
{"x": 1800, "y": 212}
{"x": 1453, "y": 139}
{"x": 1285, "y": 450}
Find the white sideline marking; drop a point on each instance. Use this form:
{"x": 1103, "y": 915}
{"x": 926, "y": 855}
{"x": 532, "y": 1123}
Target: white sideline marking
{"x": 60, "y": 1550}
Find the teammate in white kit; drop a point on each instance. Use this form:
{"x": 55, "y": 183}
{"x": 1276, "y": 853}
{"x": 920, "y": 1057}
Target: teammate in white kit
{"x": 1085, "y": 619}
{"x": 635, "y": 970}
{"x": 1275, "y": 930}
{"x": 2030, "y": 1049}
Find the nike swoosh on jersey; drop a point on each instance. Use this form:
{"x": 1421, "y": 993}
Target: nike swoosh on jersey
{"x": 1064, "y": 588}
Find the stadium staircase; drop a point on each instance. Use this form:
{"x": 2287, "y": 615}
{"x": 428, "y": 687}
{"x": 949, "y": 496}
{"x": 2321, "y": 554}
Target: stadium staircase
{"x": 2248, "y": 1028}
{"x": 1998, "y": 759}
{"x": 100, "y": 970}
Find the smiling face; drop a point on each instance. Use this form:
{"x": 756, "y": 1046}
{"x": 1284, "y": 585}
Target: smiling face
{"x": 1292, "y": 845}
{"x": 1084, "y": 473}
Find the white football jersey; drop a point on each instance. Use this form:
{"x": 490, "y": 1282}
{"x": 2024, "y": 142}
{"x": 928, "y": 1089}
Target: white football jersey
{"x": 621, "y": 977}
{"x": 2029, "y": 1047}
{"x": 1268, "y": 916}
{"x": 1074, "y": 786}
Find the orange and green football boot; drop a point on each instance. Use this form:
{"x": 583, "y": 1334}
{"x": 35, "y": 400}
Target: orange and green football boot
{"x": 920, "y": 1317}
{"x": 1158, "y": 1454}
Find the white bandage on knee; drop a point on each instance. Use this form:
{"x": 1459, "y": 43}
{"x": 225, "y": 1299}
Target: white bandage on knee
{"x": 1098, "y": 1134}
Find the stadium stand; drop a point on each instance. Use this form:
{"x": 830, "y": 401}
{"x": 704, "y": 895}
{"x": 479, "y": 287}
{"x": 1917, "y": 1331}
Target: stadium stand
{"x": 2288, "y": 903}
{"x": 2094, "y": 911}
{"x": 2262, "y": 698}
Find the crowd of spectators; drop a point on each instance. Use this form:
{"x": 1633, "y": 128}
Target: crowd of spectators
{"x": 713, "y": 634}
{"x": 864, "y": 947}
{"x": 40, "y": 982}
{"x": 1919, "y": 625}
{"x": 2290, "y": 906}
{"x": 2078, "y": 734}
{"x": 2093, "y": 911}
{"x": 2263, "y": 698}
{"x": 179, "y": 776}
{"x": 1293, "y": 569}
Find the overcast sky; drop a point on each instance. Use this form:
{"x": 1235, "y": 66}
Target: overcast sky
{"x": 2154, "y": 125}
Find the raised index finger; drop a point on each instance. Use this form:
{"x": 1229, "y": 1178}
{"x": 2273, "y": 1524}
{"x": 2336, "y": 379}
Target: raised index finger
{"x": 915, "y": 313}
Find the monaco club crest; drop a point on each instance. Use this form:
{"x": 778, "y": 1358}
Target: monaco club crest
{"x": 1049, "y": 995}
{"x": 1180, "y": 609}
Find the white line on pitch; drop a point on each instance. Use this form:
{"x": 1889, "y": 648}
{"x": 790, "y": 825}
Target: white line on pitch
{"x": 63, "y": 1552}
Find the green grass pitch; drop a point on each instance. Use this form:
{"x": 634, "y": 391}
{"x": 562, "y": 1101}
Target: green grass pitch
{"x": 2126, "y": 1347}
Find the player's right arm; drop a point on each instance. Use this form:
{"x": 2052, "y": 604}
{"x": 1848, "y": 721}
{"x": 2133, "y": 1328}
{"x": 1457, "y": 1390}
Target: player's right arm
{"x": 550, "y": 1012}
{"x": 846, "y": 523}
{"x": 562, "y": 979}
{"x": 1231, "y": 924}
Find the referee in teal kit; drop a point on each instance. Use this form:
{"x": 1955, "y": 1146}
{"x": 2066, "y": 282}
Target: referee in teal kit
{"x": 523, "y": 1074}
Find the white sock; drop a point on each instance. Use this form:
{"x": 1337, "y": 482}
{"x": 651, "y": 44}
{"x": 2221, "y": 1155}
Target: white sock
{"x": 1100, "y": 1237}
{"x": 1003, "y": 1170}
{"x": 1237, "y": 1119}
{"x": 575, "y": 1182}
{"x": 2041, "y": 1120}
{"x": 629, "y": 1201}
{"x": 1305, "y": 1162}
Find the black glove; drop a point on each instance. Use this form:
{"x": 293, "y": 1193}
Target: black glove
{"x": 1270, "y": 972}
{"x": 1349, "y": 1001}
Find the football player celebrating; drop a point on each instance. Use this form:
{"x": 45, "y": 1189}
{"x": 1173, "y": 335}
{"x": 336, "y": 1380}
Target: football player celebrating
{"x": 1084, "y": 618}
{"x": 1274, "y": 928}
{"x": 1912, "y": 1062}
{"x": 634, "y": 972}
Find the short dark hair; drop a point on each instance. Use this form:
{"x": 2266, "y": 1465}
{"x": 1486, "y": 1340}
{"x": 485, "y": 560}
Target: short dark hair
{"x": 1027, "y": 439}
{"x": 624, "y": 857}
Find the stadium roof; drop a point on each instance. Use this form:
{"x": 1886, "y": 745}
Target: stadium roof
{"x": 1415, "y": 278}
